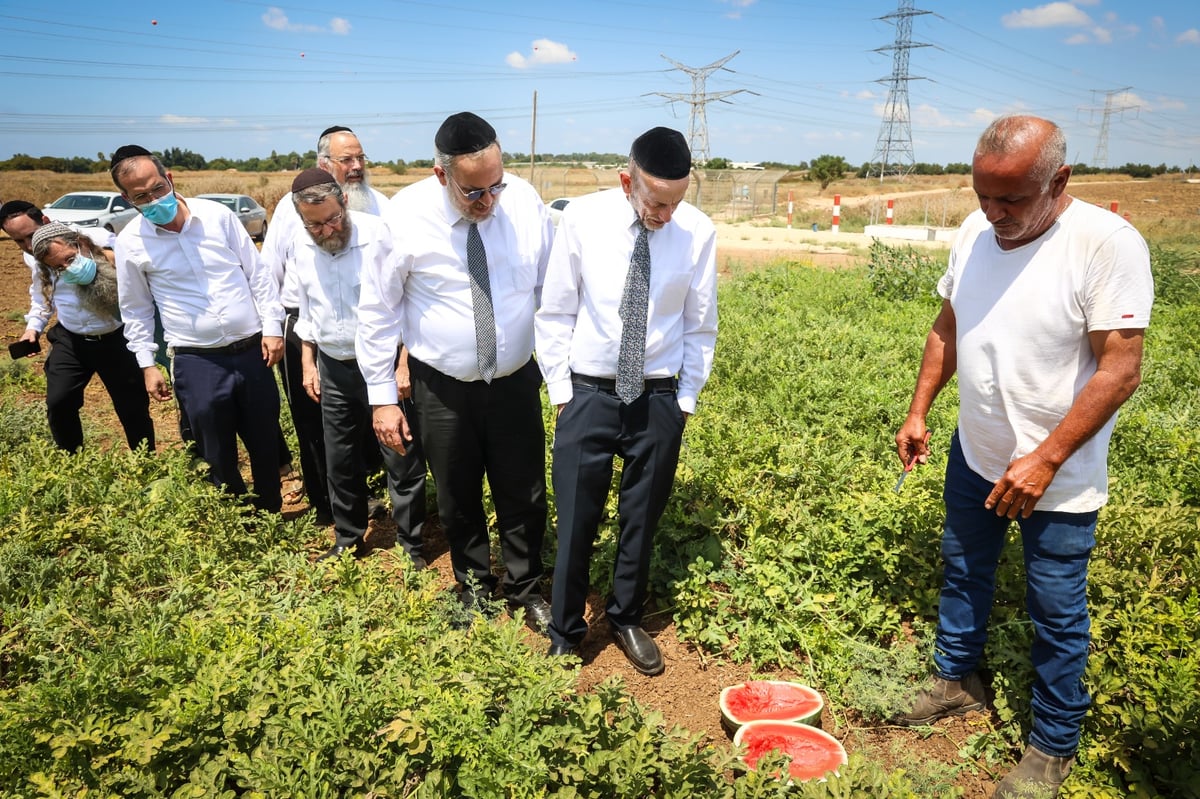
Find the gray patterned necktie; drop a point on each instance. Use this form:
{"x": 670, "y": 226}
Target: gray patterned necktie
{"x": 634, "y": 304}
{"x": 481, "y": 304}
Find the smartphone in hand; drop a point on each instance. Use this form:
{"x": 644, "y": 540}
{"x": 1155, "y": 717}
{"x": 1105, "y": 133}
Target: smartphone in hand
{"x": 23, "y": 349}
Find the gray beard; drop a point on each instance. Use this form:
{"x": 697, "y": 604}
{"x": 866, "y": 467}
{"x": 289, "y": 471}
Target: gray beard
{"x": 100, "y": 296}
{"x": 358, "y": 195}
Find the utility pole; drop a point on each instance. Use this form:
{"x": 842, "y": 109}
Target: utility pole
{"x": 893, "y": 149}
{"x": 533, "y": 141}
{"x": 698, "y": 99}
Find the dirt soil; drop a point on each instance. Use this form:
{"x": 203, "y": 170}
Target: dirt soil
{"x": 686, "y": 694}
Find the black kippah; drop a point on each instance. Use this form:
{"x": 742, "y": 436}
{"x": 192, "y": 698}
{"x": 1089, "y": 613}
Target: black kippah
{"x": 127, "y": 151}
{"x": 311, "y": 177}
{"x": 334, "y": 129}
{"x": 14, "y": 207}
{"x": 663, "y": 153}
{"x": 464, "y": 133}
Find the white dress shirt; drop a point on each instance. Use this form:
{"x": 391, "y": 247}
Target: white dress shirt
{"x": 424, "y": 300}
{"x": 210, "y": 287}
{"x": 64, "y": 298}
{"x": 281, "y": 236}
{"x": 578, "y": 325}
{"x": 327, "y": 284}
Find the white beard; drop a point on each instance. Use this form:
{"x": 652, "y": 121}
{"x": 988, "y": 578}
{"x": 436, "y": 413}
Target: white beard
{"x": 358, "y": 195}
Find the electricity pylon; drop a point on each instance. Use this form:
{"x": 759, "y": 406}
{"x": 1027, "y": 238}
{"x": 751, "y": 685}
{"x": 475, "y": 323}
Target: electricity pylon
{"x": 893, "y": 149}
{"x": 698, "y": 99}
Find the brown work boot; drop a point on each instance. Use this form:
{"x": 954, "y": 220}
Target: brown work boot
{"x": 940, "y": 698}
{"x": 1037, "y": 776}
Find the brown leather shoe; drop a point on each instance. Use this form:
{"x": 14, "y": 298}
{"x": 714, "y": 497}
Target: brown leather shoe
{"x": 640, "y": 648}
{"x": 1037, "y": 776}
{"x": 941, "y": 698}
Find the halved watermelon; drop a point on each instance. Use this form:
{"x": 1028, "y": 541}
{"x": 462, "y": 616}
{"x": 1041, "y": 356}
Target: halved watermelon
{"x": 770, "y": 700}
{"x": 814, "y": 752}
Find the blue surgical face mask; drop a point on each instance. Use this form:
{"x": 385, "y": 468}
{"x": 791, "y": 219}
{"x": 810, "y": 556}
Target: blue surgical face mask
{"x": 81, "y": 271}
{"x": 163, "y": 210}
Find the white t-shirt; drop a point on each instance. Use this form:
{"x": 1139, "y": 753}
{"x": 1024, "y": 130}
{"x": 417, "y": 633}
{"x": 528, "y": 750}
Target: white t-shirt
{"x": 1023, "y": 353}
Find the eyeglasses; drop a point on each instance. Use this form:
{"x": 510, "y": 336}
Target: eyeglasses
{"x": 156, "y": 193}
{"x": 346, "y": 160}
{"x": 333, "y": 221}
{"x": 475, "y": 194}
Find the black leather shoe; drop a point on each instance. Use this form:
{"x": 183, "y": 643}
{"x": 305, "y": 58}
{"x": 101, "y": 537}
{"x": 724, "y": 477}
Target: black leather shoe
{"x": 562, "y": 650}
{"x": 337, "y": 550}
{"x": 641, "y": 650}
{"x": 537, "y": 612}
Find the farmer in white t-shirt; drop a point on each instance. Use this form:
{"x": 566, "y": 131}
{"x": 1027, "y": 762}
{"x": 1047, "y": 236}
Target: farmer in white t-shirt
{"x": 1045, "y": 302}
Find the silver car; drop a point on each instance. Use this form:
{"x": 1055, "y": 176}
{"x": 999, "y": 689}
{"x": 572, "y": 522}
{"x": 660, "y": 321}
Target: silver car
{"x": 103, "y": 209}
{"x": 252, "y": 215}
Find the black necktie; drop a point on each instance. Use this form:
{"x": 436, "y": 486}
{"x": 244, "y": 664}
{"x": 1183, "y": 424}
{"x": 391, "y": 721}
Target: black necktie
{"x": 634, "y": 304}
{"x": 481, "y": 303}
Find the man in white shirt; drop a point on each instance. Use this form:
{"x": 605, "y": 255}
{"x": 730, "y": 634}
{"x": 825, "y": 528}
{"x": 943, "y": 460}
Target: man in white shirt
{"x": 221, "y": 316}
{"x": 1045, "y": 305}
{"x": 340, "y": 154}
{"x": 74, "y": 278}
{"x": 326, "y": 271}
{"x": 625, "y": 339}
{"x": 471, "y": 243}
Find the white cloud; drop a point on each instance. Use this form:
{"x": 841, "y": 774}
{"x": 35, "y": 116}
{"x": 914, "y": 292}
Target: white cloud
{"x": 1051, "y": 15}
{"x": 737, "y": 6}
{"x": 276, "y": 19}
{"x": 174, "y": 119}
{"x": 544, "y": 51}
{"x": 1190, "y": 36}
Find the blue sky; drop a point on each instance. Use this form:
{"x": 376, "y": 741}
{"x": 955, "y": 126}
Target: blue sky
{"x": 238, "y": 78}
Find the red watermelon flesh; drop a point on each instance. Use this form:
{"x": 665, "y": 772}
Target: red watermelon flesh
{"x": 814, "y": 753}
{"x": 759, "y": 700}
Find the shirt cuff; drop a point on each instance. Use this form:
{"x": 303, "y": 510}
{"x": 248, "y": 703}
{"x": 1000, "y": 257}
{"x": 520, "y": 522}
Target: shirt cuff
{"x": 687, "y": 402}
{"x": 560, "y": 391}
{"x": 145, "y": 358}
{"x": 272, "y": 327}
{"x": 383, "y": 393}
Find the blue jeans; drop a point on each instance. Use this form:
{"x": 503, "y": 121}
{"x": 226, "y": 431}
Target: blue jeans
{"x": 1057, "y": 546}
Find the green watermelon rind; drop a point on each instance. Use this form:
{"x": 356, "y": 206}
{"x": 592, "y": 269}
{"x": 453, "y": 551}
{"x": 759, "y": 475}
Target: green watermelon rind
{"x": 750, "y": 728}
{"x": 733, "y": 722}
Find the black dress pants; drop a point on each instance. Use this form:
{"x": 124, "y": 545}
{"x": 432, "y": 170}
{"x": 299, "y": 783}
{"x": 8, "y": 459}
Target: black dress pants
{"x": 593, "y": 427}
{"x": 306, "y": 419}
{"x": 351, "y": 448}
{"x": 73, "y": 360}
{"x": 472, "y": 429}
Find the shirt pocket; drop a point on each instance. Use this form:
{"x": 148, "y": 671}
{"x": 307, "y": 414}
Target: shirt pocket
{"x": 524, "y": 274}
{"x": 672, "y": 291}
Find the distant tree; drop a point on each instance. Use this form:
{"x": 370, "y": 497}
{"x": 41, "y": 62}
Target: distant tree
{"x": 825, "y": 169}
{"x": 958, "y": 169}
{"x": 717, "y": 163}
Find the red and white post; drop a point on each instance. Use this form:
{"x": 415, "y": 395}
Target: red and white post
{"x": 791, "y": 208}
{"x": 891, "y": 211}
{"x": 837, "y": 212}
{"x": 1114, "y": 206}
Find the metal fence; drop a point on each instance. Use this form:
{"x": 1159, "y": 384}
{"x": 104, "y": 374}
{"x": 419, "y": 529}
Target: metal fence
{"x": 721, "y": 193}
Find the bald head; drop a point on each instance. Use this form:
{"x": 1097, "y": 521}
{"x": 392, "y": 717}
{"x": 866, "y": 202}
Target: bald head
{"x": 1028, "y": 137}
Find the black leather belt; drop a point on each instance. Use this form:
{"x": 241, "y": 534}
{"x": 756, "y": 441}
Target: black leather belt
{"x": 225, "y": 349}
{"x": 610, "y": 385}
{"x": 291, "y": 311}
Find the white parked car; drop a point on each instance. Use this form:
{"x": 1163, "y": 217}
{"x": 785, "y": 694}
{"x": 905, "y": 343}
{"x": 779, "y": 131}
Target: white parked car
{"x": 555, "y": 207}
{"x": 103, "y": 209}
